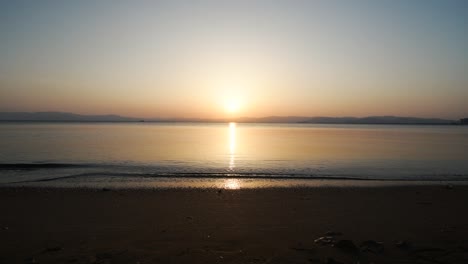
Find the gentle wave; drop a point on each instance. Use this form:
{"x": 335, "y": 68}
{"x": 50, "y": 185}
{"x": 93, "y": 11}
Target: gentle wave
{"x": 50, "y": 172}
{"x": 37, "y": 166}
{"x": 199, "y": 176}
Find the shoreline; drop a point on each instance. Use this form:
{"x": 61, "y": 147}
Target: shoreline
{"x": 413, "y": 224}
{"x": 235, "y": 183}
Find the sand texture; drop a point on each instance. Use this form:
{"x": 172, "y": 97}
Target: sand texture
{"x": 425, "y": 224}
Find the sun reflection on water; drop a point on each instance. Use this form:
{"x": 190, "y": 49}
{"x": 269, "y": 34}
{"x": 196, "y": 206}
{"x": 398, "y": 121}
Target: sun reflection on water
{"x": 232, "y": 184}
{"x": 232, "y": 145}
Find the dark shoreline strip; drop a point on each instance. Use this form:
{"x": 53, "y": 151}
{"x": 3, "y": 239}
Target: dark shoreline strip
{"x": 249, "y": 176}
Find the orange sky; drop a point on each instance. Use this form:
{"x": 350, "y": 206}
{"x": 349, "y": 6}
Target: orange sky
{"x": 194, "y": 59}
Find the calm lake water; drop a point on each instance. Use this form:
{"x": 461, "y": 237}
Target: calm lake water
{"x": 169, "y": 154}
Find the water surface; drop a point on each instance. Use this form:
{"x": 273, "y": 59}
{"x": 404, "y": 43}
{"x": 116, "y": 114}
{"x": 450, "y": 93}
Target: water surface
{"x": 184, "y": 153}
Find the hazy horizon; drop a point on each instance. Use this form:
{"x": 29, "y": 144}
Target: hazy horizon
{"x": 221, "y": 59}
{"x": 228, "y": 117}
{"x": 350, "y": 120}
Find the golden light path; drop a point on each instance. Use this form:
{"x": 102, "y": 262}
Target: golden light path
{"x": 232, "y": 184}
{"x": 232, "y": 145}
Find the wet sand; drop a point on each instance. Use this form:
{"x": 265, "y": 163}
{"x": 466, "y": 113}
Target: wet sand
{"x": 414, "y": 224}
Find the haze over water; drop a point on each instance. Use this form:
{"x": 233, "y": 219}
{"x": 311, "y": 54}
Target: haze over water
{"x": 148, "y": 153}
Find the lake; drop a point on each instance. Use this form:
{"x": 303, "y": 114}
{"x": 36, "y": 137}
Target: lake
{"x": 187, "y": 154}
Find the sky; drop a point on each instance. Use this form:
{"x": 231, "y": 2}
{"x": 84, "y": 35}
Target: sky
{"x": 213, "y": 59}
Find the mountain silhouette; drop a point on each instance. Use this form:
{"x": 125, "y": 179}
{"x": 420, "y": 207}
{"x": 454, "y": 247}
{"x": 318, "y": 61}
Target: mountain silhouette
{"x": 71, "y": 117}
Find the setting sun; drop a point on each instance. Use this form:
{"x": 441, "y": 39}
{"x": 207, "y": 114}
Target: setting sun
{"x": 232, "y": 105}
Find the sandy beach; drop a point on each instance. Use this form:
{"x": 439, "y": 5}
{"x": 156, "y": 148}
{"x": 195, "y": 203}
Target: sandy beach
{"x": 418, "y": 224}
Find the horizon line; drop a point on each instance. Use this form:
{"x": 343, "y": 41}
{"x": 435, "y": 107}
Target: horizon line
{"x": 222, "y": 118}
{"x": 113, "y": 118}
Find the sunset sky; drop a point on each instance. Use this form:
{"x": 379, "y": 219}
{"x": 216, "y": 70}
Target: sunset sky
{"x": 235, "y": 58}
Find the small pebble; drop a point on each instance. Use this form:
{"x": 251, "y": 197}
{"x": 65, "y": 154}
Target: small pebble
{"x": 325, "y": 240}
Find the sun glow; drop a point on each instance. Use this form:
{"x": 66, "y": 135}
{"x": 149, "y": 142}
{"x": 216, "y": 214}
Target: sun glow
{"x": 232, "y": 105}
{"x": 232, "y": 98}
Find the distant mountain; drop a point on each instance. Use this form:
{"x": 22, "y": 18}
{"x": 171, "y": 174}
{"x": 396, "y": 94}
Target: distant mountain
{"x": 377, "y": 120}
{"x": 61, "y": 117}
{"x": 348, "y": 120}
{"x": 70, "y": 117}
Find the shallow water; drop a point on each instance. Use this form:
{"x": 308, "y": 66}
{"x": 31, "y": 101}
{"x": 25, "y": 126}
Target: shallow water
{"x": 145, "y": 154}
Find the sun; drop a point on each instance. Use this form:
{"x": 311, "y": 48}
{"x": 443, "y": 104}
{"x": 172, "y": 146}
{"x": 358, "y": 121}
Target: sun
{"x": 232, "y": 105}
{"x": 232, "y": 98}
